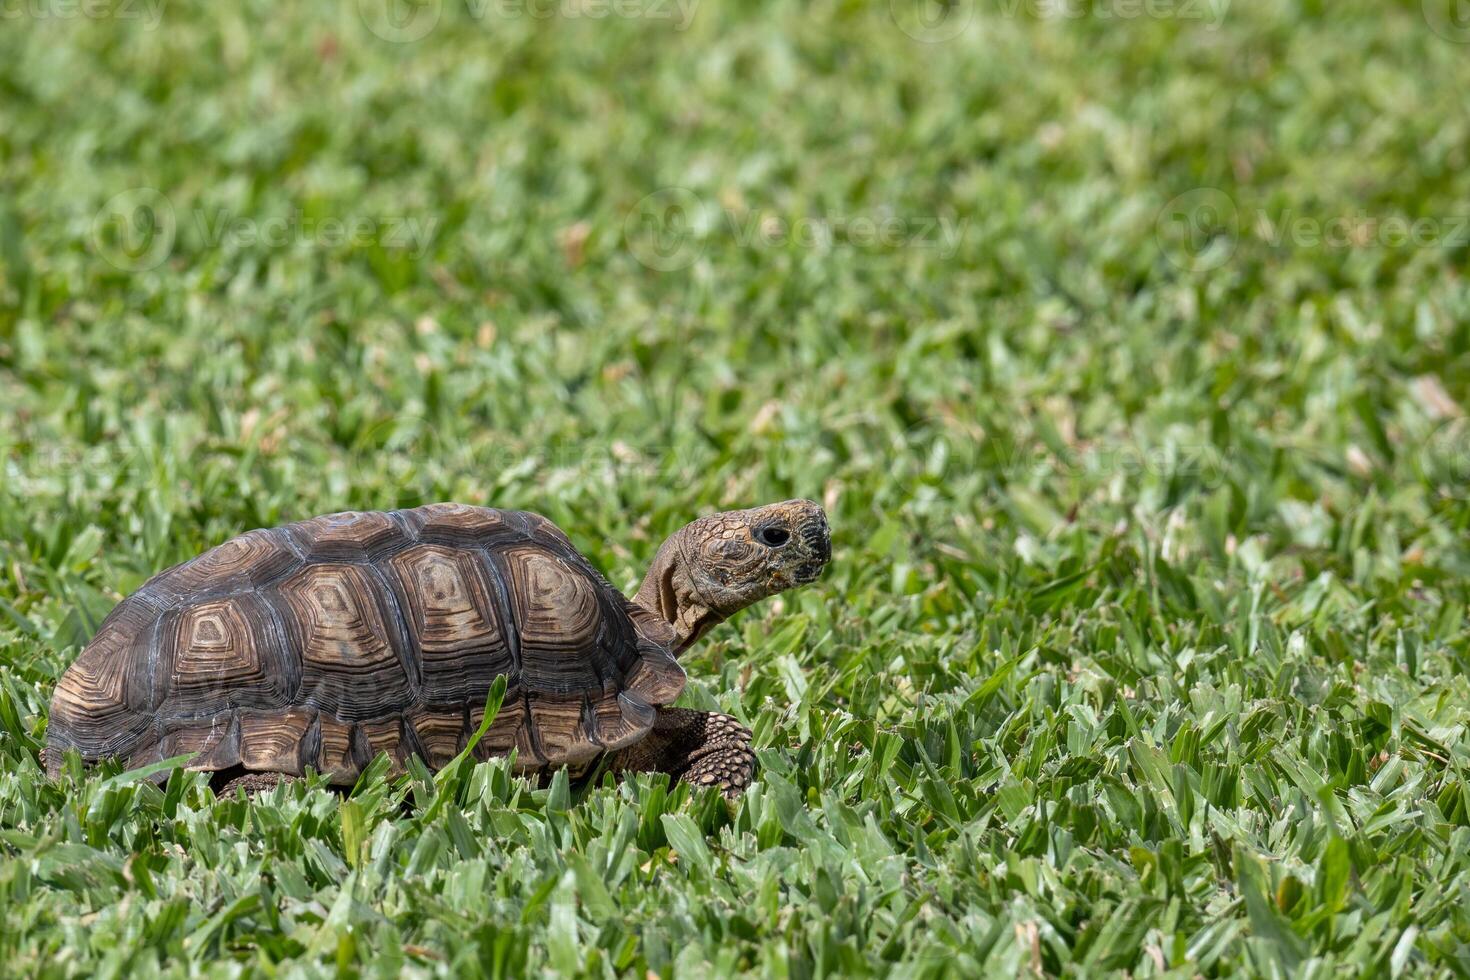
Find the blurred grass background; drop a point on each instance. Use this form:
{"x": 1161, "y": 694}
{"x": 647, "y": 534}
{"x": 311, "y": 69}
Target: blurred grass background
{"x": 1127, "y": 346}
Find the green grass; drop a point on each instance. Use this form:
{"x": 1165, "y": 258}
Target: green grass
{"x": 1144, "y": 648}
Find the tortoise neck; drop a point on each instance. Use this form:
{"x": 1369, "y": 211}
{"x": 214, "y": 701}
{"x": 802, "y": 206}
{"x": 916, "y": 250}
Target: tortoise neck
{"x": 668, "y": 592}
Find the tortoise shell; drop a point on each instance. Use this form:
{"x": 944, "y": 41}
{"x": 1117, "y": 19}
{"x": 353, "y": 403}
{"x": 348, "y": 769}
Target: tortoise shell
{"x": 324, "y": 643}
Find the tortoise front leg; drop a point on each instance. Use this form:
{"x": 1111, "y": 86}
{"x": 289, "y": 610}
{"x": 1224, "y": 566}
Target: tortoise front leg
{"x": 702, "y": 748}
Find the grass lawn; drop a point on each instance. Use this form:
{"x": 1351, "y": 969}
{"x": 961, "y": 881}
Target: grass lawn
{"x": 1127, "y": 345}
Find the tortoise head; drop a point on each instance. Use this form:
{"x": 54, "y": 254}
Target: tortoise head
{"x": 713, "y": 568}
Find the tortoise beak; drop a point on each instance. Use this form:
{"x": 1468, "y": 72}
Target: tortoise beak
{"x": 817, "y": 537}
{"x": 809, "y": 573}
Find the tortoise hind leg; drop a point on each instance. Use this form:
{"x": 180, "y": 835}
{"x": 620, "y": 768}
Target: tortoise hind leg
{"x": 702, "y": 748}
{"x": 251, "y": 782}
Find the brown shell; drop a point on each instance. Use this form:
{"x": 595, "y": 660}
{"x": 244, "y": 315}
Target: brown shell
{"x": 324, "y": 643}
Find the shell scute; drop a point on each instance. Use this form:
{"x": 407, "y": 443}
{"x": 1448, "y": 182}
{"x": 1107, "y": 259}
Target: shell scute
{"x": 453, "y": 621}
{"x": 351, "y": 536}
{"x": 105, "y": 702}
{"x": 459, "y": 525}
{"x": 227, "y": 652}
{"x": 273, "y": 741}
{"x": 441, "y": 734}
{"x": 559, "y": 619}
{"x": 349, "y": 666}
{"x": 250, "y": 561}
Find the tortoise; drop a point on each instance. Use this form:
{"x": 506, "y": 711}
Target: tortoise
{"x": 324, "y": 643}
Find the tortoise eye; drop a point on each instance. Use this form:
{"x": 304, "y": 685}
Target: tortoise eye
{"x": 773, "y": 536}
